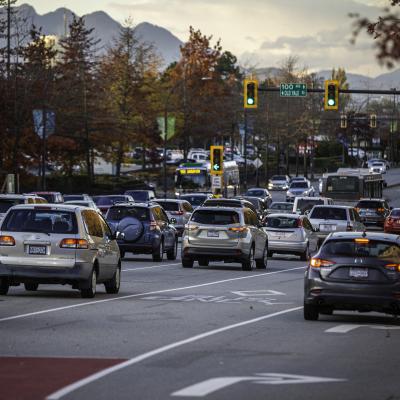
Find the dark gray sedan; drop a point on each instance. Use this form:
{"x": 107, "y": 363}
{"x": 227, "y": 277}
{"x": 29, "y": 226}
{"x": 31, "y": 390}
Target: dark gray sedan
{"x": 354, "y": 271}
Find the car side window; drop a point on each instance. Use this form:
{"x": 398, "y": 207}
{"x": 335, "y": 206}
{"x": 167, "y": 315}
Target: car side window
{"x": 187, "y": 206}
{"x": 250, "y": 218}
{"x": 356, "y": 216}
{"x": 92, "y": 223}
{"x": 307, "y": 225}
{"x": 106, "y": 229}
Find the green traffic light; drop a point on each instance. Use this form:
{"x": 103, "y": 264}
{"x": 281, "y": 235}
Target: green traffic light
{"x": 331, "y": 102}
{"x": 250, "y": 101}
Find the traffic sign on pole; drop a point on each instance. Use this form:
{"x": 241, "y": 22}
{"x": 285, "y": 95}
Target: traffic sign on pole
{"x": 293, "y": 90}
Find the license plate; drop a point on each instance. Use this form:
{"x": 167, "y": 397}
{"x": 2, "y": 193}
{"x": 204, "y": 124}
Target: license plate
{"x": 327, "y": 228}
{"x": 358, "y": 272}
{"x": 213, "y": 234}
{"x": 37, "y": 250}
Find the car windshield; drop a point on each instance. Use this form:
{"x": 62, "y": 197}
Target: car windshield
{"x": 281, "y": 222}
{"x": 194, "y": 200}
{"x": 281, "y": 206}
{"x": 118, "y": 213}
{"x": 337, "y": 214}
{"x": 70, "y": 197}
{"x": 256, "y": 193}
{"x": 302, "y": 185}
{"x": 278, "y": 178}
{"x": 34, "y": 220}
{"x": 109, "y": 200}
{"x": 395, "y": 212}
{"x": 377, "y": 164}
{"x": 139, "y": 196}
{"x": 169, "y": 205}
{"x": 304, "y": 205}
{"x": 361, "y": 247}
{"x": 210, "y": 217}
{"x": 6, "y": 204}
{"x": 369, "y": 204}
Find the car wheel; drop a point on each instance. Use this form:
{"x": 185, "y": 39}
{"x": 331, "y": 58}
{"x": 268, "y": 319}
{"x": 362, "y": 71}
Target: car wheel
{"x": 31, "y": 287}
{"x": 262, "y": 262}
{"x": 171, "y": 254}
{"x": 4, "y": 286}
{"x": 310, "y": 312}
{"x": 187, "y": 262}
{"x": 113, "y": 285}
{"x": 158, "y": 253}
{"x": 89, "y": 291}
{"x": 203, "y": 263}
{"x": 249, "y": 263}
{"x": 305, "y": 256}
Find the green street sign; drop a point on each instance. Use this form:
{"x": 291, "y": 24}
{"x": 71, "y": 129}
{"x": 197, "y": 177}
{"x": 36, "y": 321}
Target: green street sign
{"x": 293, "y": 90}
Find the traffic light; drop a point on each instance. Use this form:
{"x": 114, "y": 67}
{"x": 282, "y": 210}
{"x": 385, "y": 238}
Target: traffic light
{"x": 372, "y": 121}
{"x": 217, "y": 160}
{"x": 250, "y": 93}
{"x": 331, "y": 99}
{"x": 343, "y": 121}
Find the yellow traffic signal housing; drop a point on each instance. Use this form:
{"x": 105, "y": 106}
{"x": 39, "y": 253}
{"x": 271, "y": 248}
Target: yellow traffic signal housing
{"x": 217, "y": 160}
{"x": 343, "y": 121}
{"x": 372, "y": 121}
{"x": 331, "y": 98}
{"x": 250, "y": 93}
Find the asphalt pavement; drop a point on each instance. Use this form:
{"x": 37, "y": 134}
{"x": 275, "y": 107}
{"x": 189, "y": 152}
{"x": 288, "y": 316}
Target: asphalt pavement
{"x": 213, "y": 332}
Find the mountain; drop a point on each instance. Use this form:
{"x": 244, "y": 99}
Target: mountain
{"x": 54, "y": 23}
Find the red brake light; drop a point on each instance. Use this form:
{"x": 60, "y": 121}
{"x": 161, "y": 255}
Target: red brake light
{"x": 393, "y": 267}
{"x": 7, "y": 240}
{"x": 72, "y": 243}
{"x": 319, "y": 262}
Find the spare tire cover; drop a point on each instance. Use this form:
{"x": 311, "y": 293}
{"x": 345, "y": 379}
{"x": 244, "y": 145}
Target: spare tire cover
{"x": 131, "y": 227}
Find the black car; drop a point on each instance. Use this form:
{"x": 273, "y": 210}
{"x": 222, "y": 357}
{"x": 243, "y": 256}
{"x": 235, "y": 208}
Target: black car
{"x": 236, "y": 203}
{"x": 261, "y": 193}
{"x": 143, "y": 228}
{"x": 140, "y": 195}
{"x": 357, "y": 271}
{"x": 373, "y": 211}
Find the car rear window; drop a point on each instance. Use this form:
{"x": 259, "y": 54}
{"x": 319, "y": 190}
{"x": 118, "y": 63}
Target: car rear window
{"x": 256, "y": 193}
{"x": 169, "y": 205}
{"x": 110, "y": 200}
{"x": 369, "y": 204}
{"x": 223, "y": 203}
{"x": 210, "y": 217}
{"x": 337, "y": 214}
{"x": 71, "y": 197}
{"x": 281, "y": 206}
{"x": 370, "y": 248}
{"x": 281, "y": 222}
{"x": 278, "y": 178}
{"x": 6, "y": 204}
{"x": 395, "y": 212}
{"x": 118, "y": 213}
{"x": 194, "y": 200}
{"x": 139, "y": 196}
{"x": 305, "y": 204}
{"x": 34, "y": 220}
{"x": 301, "y": 185}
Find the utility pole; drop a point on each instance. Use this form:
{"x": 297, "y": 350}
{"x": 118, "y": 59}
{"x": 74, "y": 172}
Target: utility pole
{"x": 245, "y": 150}
{"x": 8, "y": 38}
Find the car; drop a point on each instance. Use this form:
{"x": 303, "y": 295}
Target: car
{"x": 224, "y": 234}
{"x": 373, "y": 160}
{"x": 279, "y": 182}
{"x": 303, "y": 205}
{"x": 9, "y": 200}
{"x": 356, "y": 271}
{"x": 378, "y": 167}
{"x": 141, "y": 195}
{"x": 223, "y": 202}
{"x": 143, "y": 228}
{"x": 258, "y": 204}
{"x": 104, "y": 202}
{"x": 392, "y": 222}
{"x": 58, "y": 244}
{"x": 328, "y": 219}
{"x": 72, "y": 197}
{"x": 298, "y": 179}
{"x": 261, "y": 193}
{"x": 51, "y": 197}
{"x": 280, "y": 206}
{"x": 195, "y": 199}
{"x": 290, "y": 234}
{"x": 179, "y": 209}
{"x": 299, "y": 189}
{"x": 84, "y": 203}
{"x": 373, "y": 211}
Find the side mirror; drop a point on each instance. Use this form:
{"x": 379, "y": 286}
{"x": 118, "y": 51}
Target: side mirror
{"x": 119, "y": 235}
{"x": 172, "y": 221}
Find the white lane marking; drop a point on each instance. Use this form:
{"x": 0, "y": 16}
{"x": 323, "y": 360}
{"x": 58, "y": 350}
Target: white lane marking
{"x": 212, "y": 385}
{"x": 154, "y": 266}
{"x": 252, "y": 293}
{"x": 129, "y": 296}
{"x": 135, "y": 360}
{"x": 349, "y": 327}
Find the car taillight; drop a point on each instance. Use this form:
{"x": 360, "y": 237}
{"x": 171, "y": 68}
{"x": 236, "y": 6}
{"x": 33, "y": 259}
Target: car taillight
{"x": 176, "y": 212}
{"x": 319, "y": 262}
{"x": 154, "y": 226}
{"x": 72, "y": 243}
{"x": 389, "y": 221}
{"x": 191, "y": 227}
{"x": 240, "y": 229}
{"x": 393, "y": 267}
{"x": 381, "y": 210}
{"x": 7, "y": 241}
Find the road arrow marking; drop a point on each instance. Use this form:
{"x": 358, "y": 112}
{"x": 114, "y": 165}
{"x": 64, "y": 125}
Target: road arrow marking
{"x": 209, "y": 386}
{"x": 252, "y": 293}
{"x": 350, "y": 327}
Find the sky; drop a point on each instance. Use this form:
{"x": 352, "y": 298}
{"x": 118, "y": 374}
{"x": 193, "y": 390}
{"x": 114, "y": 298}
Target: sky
{"x": 261, "y": 33}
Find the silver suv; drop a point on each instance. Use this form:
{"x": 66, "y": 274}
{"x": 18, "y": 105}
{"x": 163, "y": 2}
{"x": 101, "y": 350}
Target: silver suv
{"x": 58, "y": 244}
{"x": 224, "y": 234}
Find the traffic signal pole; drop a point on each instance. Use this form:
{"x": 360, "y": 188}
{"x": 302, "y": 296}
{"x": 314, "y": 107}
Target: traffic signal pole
{"x": 245, "y": 150}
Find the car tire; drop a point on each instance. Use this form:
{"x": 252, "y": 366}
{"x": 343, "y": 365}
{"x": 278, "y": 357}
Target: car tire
{"x": 305, "y": 256}
{"x": 249, "y": 263}
{"x": 203, "y": 263}
{"x": 261, "y": 263}
{"x": 187, "y": 262}
{"x": 310, "y": 312}
{"x": 113, "y": 285}
{"x": 158, "y": 253}
{"x": 4, "y": 286}
{"x": 171, "y": 254}
{"x": 31, "y": 287}
{"x": 89, "y": 291}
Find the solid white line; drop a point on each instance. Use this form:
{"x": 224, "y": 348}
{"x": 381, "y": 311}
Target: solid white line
{"x": 154, "y": 266}
{"x": 343, "y": 328}
{"x": 129, "y": 296}
{"x": 135, "y": 360}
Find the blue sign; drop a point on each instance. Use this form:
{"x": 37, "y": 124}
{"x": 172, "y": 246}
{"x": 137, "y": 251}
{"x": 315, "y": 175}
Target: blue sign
{"x": 38, "y": 122}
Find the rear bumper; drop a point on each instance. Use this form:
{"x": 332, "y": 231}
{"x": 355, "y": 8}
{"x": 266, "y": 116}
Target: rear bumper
{"x": 372, "y": 220}
{"x": 220, "y": 254}
{"x": 140, "y": 248}
{"x": 281, "y": 246}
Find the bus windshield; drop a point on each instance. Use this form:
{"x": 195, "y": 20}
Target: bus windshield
{"x": 187, "y": 180}
{"x": 348, "y": 184}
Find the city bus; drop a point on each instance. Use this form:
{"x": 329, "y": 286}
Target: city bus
{"x": 196, "y": 177}
{"x": 352, "y": 184}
